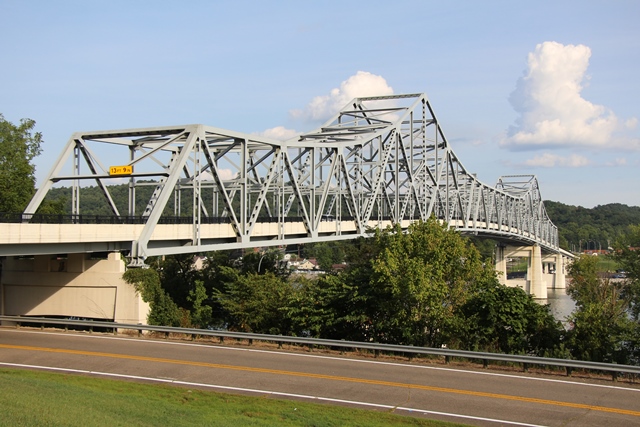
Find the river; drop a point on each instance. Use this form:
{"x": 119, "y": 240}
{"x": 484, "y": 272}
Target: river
{"x": 560, "y": 304}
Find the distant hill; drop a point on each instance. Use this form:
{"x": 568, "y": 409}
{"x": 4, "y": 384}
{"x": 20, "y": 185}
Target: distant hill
{"x": 591, "y": 228}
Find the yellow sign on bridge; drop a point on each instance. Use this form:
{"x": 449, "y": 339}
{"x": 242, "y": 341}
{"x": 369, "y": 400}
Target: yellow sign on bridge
{"x": 120, "y": 170}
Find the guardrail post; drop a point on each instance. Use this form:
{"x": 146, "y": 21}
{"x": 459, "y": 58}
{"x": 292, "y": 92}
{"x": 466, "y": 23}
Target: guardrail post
{"x": 525, "y": 367}
{"x": 446, "y": 360}
{"x": 115, "y": 331}
{"x": 279, "y": 344}
{"x": 614, "y": 376}
{"x": 250, "y": 341}
{"x": 221, "y": 340}
{"x": 139, "y": 332}
{"x": 485, "y": 363}
{"x": 376, "y": 353}
{"x": 569, "y": 369}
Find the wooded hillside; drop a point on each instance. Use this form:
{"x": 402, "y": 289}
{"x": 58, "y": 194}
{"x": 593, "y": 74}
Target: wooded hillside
{"x": 595, "y": 228}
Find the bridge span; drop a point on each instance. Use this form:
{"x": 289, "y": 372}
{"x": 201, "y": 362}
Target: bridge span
{"x": 379, "y": 161}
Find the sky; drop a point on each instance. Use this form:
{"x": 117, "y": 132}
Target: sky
{"x": 549, "y": 88}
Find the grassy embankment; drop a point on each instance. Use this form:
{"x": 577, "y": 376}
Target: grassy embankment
{"x": 48, "y": 399}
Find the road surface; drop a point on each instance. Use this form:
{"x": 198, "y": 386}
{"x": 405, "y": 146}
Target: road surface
{"x": 481, "y": 397}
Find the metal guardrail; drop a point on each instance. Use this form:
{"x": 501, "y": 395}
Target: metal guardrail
{"x": 526, "y": 361}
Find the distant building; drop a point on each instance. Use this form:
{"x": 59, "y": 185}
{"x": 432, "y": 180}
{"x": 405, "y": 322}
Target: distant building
{"x": 308, "y": 264}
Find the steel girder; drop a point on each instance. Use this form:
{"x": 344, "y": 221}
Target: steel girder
{"x": 380, "y": 160}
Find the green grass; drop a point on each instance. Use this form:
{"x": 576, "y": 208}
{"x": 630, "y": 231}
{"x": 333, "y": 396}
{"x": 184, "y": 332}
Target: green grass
{"x": 606, "y": 264}
{"x": 31, "y": 398}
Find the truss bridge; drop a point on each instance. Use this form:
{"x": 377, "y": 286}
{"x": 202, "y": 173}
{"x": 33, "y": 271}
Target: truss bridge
{"x": 380, "y": 161}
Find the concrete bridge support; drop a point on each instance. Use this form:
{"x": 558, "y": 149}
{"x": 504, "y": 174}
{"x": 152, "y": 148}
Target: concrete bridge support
{"x": 543, "y": 271}
{"x": 71, "y": 286}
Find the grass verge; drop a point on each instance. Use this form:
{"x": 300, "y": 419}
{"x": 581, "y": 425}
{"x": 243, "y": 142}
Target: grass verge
{"x": 32, "y": 398}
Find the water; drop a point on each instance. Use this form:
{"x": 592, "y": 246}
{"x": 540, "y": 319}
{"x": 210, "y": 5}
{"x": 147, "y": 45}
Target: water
{"x": 560, "y": 304}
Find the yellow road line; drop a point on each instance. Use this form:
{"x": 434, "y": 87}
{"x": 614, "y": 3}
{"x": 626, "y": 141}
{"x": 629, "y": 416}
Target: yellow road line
{"x": 327, "y": 377}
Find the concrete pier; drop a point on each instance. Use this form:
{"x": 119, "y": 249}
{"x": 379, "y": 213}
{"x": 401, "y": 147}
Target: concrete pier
{"x": 73, "y": 285}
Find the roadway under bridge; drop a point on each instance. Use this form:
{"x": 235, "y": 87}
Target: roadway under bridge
{"x": 380, "y": 161}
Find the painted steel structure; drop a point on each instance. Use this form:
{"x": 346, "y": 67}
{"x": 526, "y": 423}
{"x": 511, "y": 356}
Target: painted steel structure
{"x": 379, "y": 161}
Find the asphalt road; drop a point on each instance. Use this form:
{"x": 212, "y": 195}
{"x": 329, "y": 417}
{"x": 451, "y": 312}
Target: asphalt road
{"x": 478, "y": 397}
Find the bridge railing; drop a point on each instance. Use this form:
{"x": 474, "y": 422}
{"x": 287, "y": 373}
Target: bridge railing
{"x": 526, "y": 361}
{"x": 15, "y": 218}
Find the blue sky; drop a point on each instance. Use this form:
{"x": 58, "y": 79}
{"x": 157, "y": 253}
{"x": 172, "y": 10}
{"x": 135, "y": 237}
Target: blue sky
{"x": 549, "y": 88}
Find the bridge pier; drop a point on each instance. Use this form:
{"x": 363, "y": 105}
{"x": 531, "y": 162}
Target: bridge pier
{"x": 74, "y": 285}
{"x": 501, "y": 264}
{"x": 543, "y": 271}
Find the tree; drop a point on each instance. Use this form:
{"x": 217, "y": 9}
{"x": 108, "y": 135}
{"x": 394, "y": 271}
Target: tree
{"x": 601, "y": 326}
{"x": 627, "y": 255}
{"x": 18, "y": 147}
{"x": 201, "y": 315}
{"x": 334, "y": 306}
{"x": 425, "y": 276}
{"x": 506, "y": 320}
{"x": 257, "y": 303}
{"x": 146, "y": 281}
{"x": 271, "y": 260}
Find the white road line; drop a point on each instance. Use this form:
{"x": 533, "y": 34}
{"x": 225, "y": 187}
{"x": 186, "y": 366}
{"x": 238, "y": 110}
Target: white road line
{"x": 268, "y": 392}
{"x": 376, "y": 362}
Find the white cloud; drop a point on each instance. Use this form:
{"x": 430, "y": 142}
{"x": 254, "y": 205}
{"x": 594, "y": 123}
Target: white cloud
{"x": 548, "y": 160}
{"x": 226, "y": 174}
{"x": 620, "y": 161}
{"x": 279, "y": 132}
{"x": 360, "y": 84}
{"x": 552, "y": 111}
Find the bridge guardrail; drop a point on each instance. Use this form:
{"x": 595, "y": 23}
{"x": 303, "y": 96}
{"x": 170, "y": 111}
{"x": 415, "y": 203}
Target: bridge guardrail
{"x": 526, "y": 361}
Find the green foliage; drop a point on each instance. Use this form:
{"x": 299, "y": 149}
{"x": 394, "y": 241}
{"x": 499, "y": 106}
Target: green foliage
{"x": 326, "y": 253}
{"x": 505, "y": 319}
{"x": 332, "y": 307}
{"x": 18, "y": 147}
{"x": 485, "y": 246}
{"x": 598, "y": 227}
{"x": 178, "y": 277}
{"x": 601, "y": 327}
{"x": 257, "y": 303}
{"x": 145, "y": 281}
{"x": 422, "y": 278}
{"x": 627, "y": 255}
{"x": 201, "y": 315}
{"x": 426, "y": 287}
{"x": 270, "y": 260}
{"x": 163, "y": 310}
{"x": 52, "y": 207}
{"x": 585, "y": 286}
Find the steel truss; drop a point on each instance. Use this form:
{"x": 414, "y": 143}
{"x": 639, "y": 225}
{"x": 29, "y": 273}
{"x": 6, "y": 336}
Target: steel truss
{"x": 381, "y": 160}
